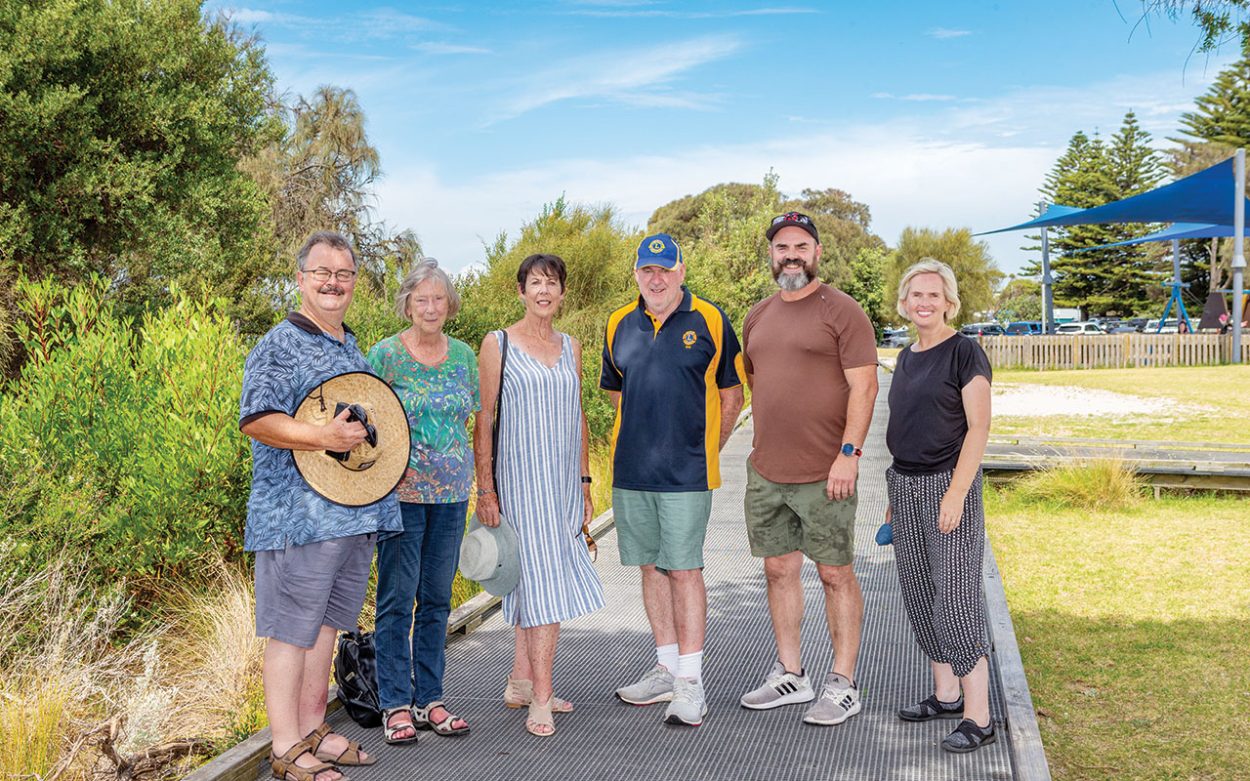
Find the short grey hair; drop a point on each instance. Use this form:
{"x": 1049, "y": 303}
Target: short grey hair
{"x": 950, "y": 288}
{"x": 332, "y": 239}
{"x": 426, "y": 268}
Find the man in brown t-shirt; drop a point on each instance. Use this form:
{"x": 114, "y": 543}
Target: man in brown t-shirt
{"x": 811, "y": 363}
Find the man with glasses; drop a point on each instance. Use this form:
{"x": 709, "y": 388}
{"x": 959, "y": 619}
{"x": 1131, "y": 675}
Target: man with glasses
{"x": 312, "y": 555}
{"x": 672, "y": 367}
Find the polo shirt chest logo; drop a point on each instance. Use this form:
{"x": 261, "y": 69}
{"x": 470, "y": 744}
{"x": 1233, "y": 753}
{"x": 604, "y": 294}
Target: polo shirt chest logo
{"x": 689, "y": 338}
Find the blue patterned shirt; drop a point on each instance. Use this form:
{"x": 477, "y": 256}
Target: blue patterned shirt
{"x": 283, "y": 510}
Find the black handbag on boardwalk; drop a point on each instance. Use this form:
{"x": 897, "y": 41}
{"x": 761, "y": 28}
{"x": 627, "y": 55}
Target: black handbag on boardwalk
{"x": 356, "y": 673}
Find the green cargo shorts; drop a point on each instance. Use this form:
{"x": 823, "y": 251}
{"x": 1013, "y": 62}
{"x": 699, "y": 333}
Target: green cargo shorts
{"x": 785, "y": 517}
{"x": 661, "y": 528}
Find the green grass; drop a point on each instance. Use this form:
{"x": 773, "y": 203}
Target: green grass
{"x": 1133, "y": 623}
{"x": 1222, "y": 389}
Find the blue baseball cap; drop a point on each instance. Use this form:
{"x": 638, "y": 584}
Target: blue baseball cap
{"x": 658, "y": 250}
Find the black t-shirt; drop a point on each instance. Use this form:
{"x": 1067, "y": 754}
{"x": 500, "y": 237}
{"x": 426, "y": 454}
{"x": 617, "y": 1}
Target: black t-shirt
{"x": 927, "y": 422}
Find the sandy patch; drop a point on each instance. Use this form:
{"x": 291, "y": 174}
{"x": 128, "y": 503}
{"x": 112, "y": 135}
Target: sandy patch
{"x": 1014, "y": 400}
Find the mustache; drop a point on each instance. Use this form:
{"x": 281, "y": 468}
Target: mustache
{"x": 332, "y": 289}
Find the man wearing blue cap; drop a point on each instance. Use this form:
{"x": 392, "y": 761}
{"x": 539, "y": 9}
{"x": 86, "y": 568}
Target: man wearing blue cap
{"x": 673, "y": 367}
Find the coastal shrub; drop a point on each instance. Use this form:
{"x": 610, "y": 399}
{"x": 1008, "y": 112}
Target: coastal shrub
{"x": 119, "y": 440}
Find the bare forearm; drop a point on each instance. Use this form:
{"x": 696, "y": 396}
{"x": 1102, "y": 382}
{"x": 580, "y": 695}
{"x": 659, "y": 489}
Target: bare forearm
{"x": 730, "y": 406}
{"x": 484, "y": 450}
{"x": 859, "y": 409}
{"x": 970, "y": 456}
{"x": 285, "y": 432}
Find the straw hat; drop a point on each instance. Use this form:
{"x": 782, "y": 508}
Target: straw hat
{"x": 372, "y": 469}
{"x": 491, "y": 556}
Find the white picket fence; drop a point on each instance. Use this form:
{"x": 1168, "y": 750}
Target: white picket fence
{"x": 1088, "y": 351}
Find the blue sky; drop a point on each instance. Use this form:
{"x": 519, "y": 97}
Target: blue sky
{"x": 935, "y": 114}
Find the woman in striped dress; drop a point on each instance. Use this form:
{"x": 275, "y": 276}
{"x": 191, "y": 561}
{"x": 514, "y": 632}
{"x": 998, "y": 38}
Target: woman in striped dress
{"x": 543, "y": 479}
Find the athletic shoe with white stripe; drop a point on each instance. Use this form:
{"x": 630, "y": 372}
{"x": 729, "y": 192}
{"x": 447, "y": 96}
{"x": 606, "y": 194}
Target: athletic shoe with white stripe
{"x": 780, "y": 688}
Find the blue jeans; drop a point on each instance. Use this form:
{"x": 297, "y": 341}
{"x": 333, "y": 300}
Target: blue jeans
{"x": 417, "y": 565}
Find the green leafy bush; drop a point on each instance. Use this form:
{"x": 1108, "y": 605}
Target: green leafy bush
{"x": 121, "y": 440}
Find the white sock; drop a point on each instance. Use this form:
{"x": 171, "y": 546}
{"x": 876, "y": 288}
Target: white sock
{"x": 667, "y": 656}
{"x": 690, "y": 666}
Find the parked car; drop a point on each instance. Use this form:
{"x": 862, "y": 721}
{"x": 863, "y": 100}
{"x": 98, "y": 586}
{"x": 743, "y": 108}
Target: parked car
{"x": 895, "y": 337}
{"x": 1170, "y": 326}
{"x": 1024, "y": 328}
{"x": 1124, "y": 328}
{"x": 982, "y": 329}
{"x": 1138, "y": 323}
{"x": 1080, "y": 328}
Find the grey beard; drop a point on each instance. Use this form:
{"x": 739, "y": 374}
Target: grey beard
{"x": 792, "y": 282}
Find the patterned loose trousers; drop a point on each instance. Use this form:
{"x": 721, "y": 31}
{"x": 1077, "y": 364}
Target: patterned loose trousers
{"x": 940, "y": 574}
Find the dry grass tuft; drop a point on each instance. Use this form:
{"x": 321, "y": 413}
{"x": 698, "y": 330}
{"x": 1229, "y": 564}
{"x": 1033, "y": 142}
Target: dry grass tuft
{"x": 215, "y": 660}
{"x": 1104, "y": 484}
{"x": 61, "y": 666}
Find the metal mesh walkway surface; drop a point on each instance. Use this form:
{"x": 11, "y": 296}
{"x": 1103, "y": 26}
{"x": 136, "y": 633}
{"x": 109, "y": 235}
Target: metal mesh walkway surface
{"x": 606, "y": 739}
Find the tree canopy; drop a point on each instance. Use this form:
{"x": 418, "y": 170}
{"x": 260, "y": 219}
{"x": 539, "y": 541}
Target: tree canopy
{"x": 975, "y": 271}
{"x": 121, "y": 128}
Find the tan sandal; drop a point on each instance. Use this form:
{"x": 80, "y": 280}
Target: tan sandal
{"x": 540, "y": 721}
{"x": 284, "y": 767}
{"x": 352, "y": 755}
{"x": 520, "y": 692}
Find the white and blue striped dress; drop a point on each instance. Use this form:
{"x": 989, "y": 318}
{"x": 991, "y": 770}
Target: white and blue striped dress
{"x": 539, "y": 470}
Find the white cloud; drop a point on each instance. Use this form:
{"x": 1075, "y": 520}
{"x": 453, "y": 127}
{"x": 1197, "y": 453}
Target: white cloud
{"x": 906, "y": 180}
{"x": 614, "y": 75}
{"x": 434, "y": 47}
{"x": 945, "y": 33}
{"x": 959, "y": 165}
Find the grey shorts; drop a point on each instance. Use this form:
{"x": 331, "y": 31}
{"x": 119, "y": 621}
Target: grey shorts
{"x": 301, "y": 588}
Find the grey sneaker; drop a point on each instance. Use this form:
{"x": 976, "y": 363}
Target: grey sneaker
{"x": 838, "y": 702}
{"x": 655, "y": 686}
{"x": 689, "y": 705}
{"x": 780, "y": 688}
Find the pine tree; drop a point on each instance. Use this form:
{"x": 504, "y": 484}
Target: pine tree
{"x": 1091, "y": 173}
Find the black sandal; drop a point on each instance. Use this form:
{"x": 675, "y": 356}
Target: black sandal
{"x": 932, "y": 708}
{"x": 969, "y": 737}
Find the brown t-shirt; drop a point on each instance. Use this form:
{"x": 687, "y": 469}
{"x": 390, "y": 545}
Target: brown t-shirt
{"x": 797, "y": 352}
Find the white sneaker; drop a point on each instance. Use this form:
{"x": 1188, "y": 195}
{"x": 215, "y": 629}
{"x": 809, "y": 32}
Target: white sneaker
{"x": 689, "y": 704}
{"x": 780, "y": 688}
{"x": 655, "y": 686}
{"x": 838, "y": 702}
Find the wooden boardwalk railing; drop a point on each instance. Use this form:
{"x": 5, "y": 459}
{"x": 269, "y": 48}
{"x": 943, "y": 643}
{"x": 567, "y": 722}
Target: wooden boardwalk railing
{"x": 1111, "y": 351}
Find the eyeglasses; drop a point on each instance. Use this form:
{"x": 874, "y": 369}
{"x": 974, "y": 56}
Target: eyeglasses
{"x": 323, "y": 274}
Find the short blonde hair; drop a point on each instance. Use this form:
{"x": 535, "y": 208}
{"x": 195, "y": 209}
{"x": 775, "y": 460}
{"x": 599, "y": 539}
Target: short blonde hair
{"x": 426, "y": 268}
{"x": 950, "y": 288}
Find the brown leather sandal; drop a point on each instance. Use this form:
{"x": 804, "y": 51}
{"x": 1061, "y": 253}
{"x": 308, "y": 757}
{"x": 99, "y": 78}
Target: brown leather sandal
{"x": 284, "y": 767}
{"x": 350, "y": 756}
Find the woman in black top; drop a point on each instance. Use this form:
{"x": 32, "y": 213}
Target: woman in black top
{"x": 939, "y": 424}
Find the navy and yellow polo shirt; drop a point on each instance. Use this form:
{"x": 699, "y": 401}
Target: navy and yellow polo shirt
{"x": 669, "y": 375}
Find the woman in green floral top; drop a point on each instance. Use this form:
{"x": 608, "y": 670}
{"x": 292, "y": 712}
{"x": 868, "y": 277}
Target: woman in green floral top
{"x": 435, "y": 377}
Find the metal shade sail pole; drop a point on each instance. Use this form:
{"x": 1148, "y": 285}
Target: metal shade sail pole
{"x": 1239, "y": 257}
{"x": 1048, "y": 299}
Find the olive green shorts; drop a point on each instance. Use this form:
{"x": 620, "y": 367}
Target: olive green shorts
{"x": 785, "y": 517}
